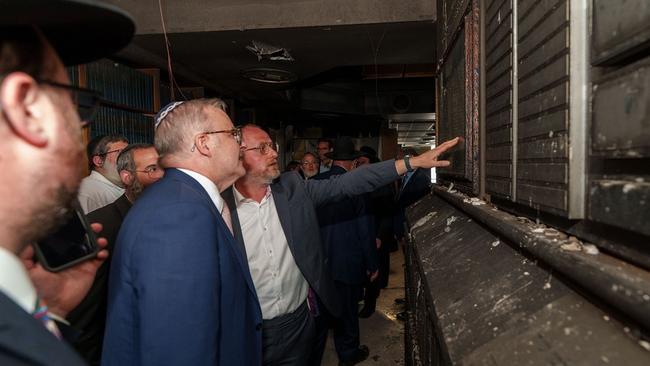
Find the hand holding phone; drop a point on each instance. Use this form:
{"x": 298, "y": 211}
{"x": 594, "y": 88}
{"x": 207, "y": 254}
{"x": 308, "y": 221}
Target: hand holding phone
{"x": 62, "y": 291}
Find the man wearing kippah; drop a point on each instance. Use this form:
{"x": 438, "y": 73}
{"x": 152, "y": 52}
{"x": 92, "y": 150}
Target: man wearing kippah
{"x": 180, "y": 292}
{"x": 41, "y": 159}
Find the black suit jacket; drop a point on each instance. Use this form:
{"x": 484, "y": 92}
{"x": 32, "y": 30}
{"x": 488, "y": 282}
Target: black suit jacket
{"x": 296, "y": 201}
{"x": 90, "y": 316}
{"x": 25, "y": 341}
{"x": 418, "y": 186}
{"x": 348, "y": 232}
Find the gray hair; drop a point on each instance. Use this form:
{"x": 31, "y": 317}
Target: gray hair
{"x": 125, "y": 159}
{"x": 177, "y": 128}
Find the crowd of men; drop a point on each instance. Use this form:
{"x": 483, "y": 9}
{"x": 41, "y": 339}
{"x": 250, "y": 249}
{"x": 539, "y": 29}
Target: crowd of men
{"x": 209, "y": 255}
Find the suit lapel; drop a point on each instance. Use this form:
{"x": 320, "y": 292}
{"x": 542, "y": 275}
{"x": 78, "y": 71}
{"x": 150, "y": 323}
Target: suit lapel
{"x": 282, "y": 205}
{"x": 229, "y": 196}
{"x": 241, "y": 256}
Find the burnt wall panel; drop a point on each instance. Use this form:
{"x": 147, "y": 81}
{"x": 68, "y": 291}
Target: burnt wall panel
{"x": 499, "y": 97}
{"x": 619, "y": 29}
{"x": 453, "y": 113}
{"x": 621, "y": 202}
{"x": 543, "y": 99}
{"x": 621, "y": 113}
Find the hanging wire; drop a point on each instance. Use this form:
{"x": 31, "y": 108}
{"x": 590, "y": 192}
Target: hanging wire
{"x": 172, "y": 79}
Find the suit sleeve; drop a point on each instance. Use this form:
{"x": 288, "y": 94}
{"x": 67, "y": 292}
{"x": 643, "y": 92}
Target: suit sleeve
{"x": 361, "y": 180}
{"x": 177, "y": 284}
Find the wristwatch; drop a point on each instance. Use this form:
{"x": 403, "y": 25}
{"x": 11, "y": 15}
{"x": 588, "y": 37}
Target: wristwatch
{"x": 409, "y": 168}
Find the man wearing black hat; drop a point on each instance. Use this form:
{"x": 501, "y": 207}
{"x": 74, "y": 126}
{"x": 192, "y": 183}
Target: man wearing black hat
{"x": 347, "y": 229}
{"x": 41, "y": 159}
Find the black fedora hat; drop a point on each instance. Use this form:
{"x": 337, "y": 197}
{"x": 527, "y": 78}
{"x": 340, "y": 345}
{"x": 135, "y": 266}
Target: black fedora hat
{"x": 343, "y": 149}
{"x": 79, "y": 30}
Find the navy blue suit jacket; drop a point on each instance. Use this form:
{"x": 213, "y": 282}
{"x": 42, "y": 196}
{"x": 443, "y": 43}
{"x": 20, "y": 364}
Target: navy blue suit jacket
{"x": 348, "y": 232}
{"x": 179, "y": 290}
{"x": 25, "y": 341}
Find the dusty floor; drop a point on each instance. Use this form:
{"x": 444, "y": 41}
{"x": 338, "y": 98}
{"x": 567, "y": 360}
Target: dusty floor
{"x": 382, "y": 333}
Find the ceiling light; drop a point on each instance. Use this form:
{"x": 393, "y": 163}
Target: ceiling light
{"x": 271, "y": 76}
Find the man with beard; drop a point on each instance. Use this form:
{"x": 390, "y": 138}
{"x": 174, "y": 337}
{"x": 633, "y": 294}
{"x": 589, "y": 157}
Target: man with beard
{"x": 179, "y": 290}
{"x": 138, "y": 167}
{"x": 41, "y": 157}
{"x": 103, "y": 185}
{"x": 309, "y": 165}
{"x": 274, "y": 220}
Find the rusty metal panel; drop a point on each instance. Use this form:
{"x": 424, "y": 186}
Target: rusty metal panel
{"x": 619, "y": 29}
{"x": 622, "y": 203}
{"x": 621, "y": 113}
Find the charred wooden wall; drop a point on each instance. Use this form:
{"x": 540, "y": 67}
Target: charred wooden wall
{"x": 560, "y": 97}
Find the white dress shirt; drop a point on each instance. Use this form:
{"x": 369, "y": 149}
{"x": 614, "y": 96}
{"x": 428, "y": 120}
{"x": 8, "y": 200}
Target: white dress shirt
{"x": 281, "y": 288}
{"x": 96, "y": 192}
{"x": 14, "y": 281}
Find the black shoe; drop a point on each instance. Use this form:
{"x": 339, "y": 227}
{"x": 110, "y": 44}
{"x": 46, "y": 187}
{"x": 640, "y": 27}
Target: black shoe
{"x": 362, "y": 354}
{"x": 401, "y": 316}
{"x": 400, "y": 301}
{"x": 366, "y": 312}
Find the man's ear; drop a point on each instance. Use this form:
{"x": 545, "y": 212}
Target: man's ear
{"x": 22, "y": 108}
{"x": 98, "y": 161}
{"x": 126, "y": 177}
{"x": 201, "y": 143}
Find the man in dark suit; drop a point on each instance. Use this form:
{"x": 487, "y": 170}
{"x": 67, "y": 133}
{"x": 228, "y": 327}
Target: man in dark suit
{"x": 348, "y": 232}
{"x": 413, "y": 186}
{"x": 138, "y": 168}
{"x": 179, "y": 288}
{"x": 274, "y": 220}
{"x": 41, "y": 160}
{"x": 382, "y": 206}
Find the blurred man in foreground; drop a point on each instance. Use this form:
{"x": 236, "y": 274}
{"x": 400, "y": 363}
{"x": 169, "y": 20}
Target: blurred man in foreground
{"x": 42, "y": 157}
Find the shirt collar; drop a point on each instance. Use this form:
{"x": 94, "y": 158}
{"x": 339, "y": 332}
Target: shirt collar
{"x": 100, "y": 177}
{"x": 208, "y": 185}
{"x": 239, "y": 198}
{"x": 14, "y": 281}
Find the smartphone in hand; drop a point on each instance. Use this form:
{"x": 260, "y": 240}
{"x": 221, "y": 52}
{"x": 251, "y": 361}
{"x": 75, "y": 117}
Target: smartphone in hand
{"x": 72, "y": 243}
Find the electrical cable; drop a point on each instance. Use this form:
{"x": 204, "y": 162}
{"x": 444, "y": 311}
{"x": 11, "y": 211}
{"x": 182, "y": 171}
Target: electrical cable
{"x": 172, "y": 79}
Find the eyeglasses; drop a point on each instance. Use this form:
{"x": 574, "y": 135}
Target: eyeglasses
{"x": 86, "y": 100}
{"x": 152, "y": 171}
{"x": 235, "y": 132}
{"x": 110, "y": 152}
{"x": 309, "y": 163}
{"x": 264, "y": 147}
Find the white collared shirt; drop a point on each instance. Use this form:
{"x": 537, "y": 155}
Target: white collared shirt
{"x": 96, "y": 192}
{"x": 209, "y": 187}
{"x": 281, "y": 288}
{"x": 14, "y": 281}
